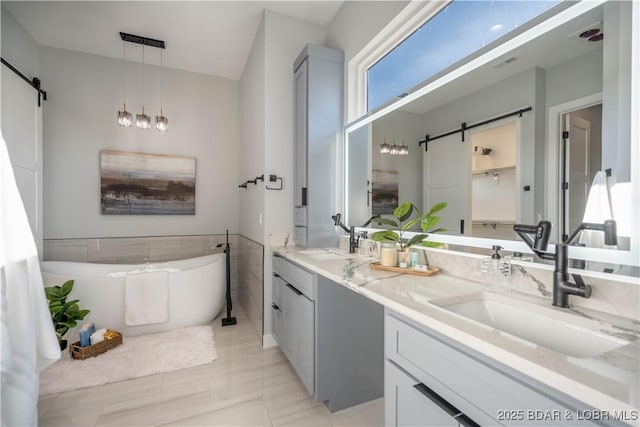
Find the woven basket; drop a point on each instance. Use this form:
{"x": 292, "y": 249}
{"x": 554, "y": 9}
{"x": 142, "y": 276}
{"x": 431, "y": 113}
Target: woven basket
{"x": 82, "y": 353}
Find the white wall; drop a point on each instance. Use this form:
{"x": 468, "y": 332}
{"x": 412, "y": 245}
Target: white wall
{"x": 266, "y": 99}
{"x": 18, "y": 47}
{"x": 252, "y": 140}
{"x": 357, "y": 22}
{"x": 285, "y": 39}
{"x": 574, "y": 79}
{"x": 85, "y": 92}
{"x": 355, "y": 25}
{"x": 401, "y": 126}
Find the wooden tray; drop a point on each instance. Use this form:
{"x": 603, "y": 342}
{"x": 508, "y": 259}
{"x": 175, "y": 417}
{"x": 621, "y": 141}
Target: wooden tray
{"x": 429, "y": 272}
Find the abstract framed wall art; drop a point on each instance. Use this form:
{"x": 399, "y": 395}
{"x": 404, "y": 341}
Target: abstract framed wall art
{"x": 384, "y": 197}
{"x": 147, "y": 184}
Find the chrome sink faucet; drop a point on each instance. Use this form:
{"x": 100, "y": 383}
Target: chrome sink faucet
{"x": 562, "y": 287}
{"x": 353, "y": 241}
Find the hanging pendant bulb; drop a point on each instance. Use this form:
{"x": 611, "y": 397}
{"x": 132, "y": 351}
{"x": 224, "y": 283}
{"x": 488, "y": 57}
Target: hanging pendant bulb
{"x": 125, "y": 118}
{"x": 404, "y": 150}
{"x": 162, "y": 123}
{"x": 384, "y": 147}
{"x": 142, "y": 120}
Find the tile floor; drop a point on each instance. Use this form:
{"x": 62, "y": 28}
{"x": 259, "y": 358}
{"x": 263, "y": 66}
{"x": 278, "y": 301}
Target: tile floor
{"x": 246, "y": 386}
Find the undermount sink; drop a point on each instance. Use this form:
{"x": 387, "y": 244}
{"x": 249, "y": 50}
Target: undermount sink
{"x": 550, "y": 328}
{"x": 323, "y": 255}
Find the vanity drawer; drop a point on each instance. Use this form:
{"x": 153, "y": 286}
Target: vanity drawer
{"x": 300, "y": 216}
{"x": 300, "y": 235}
{"x": 277, "y": 264}
{"x": 300, "y": 278}
{"x": 278, "y": 285}
{"x": 487, "y": 394}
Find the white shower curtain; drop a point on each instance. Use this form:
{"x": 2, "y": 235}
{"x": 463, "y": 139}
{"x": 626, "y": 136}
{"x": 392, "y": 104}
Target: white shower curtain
{"x": 28, "y": 340}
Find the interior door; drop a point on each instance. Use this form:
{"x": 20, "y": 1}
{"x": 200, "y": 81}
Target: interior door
{"x": 577, "y": 164}
{"x": 446, "y": 176}
{"x": 22, "y": 131}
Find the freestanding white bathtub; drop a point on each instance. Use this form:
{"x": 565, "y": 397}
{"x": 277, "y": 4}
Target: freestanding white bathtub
{"x": 196, "y": 291}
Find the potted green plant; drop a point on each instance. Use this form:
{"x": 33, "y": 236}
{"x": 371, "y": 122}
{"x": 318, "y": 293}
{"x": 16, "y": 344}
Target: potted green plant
{"x": 403, "y": 213}
{"x": 65, "y": 314}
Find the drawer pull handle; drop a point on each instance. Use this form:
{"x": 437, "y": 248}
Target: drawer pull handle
{"x": 297, "y": 292}
{"x": 437, "y": 399}
{"x": 275, "y": 307}
{"x": 466, "y": 421}
{"x": 445, "y": 406}
{"x": 276, "y": 275}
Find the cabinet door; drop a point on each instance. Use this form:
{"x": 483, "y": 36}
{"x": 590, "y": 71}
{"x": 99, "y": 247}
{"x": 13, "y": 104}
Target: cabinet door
{"x": 289, "y": 330}
{"x": 298, "y": 334}
{"x": 300, "y": 135}
{"x": 304, "y": 319}
{"x": 276, "y": 315}
{"x": 405, "y": 405}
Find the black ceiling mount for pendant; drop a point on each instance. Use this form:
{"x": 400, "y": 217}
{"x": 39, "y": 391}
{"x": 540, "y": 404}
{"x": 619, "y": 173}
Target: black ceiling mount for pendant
{"x": 132, "y": 38}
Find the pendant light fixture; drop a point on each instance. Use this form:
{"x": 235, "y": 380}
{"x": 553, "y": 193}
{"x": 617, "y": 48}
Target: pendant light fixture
{"x": 162, "y": 123}
{"x": 124, "y": 117}
{"x": 142, "y": 120}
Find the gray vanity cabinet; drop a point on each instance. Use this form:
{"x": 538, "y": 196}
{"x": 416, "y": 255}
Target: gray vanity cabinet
{"x": 318, "y": 80}
{"x": 469, "y": 387}
{"x": 293, "y": 317}
{"x": 332, "y": 336}
{"x": 406, "y": 405}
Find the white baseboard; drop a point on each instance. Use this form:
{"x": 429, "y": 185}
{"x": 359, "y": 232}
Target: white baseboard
{"x": 268, "y": 341}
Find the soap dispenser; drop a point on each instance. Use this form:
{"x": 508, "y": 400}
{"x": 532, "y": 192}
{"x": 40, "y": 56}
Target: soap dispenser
{"x": 496, "y": 270}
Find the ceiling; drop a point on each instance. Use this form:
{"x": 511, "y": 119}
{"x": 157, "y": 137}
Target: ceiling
{"x": 211, "y": 37}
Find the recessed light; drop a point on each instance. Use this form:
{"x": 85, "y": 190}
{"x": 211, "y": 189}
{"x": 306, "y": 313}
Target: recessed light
{"x": 596, "y": 38}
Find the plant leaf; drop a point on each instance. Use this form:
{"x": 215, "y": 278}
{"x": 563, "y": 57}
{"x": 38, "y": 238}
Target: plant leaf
{"x": 82, "y": 313}
{"x": 53, "y": 293}
{"x": 429, "y": 222}
{"x": 70, "y": 324}
{"x": 437, "y": 208}
{"x": 432, "y": 244}
{"x": 385, "y": 221}
{"x": 385, "y": 236}
{"x": 438, "y": 230}
{"x": 404, "y": 211}
{"x": 417, "y": 239}
{"x": 411, "y": 223}
{"x": 67, "y": 287}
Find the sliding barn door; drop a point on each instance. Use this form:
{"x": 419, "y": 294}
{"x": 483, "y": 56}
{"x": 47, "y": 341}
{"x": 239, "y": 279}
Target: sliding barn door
{"x": 22, "y": 131}
{"x": 446, "y": 179}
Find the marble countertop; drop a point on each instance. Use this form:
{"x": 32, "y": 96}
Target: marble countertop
{"x": 607, "y": 382}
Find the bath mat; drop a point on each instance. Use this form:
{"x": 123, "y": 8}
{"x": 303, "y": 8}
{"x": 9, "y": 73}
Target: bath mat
{"x": 136, "y": 357}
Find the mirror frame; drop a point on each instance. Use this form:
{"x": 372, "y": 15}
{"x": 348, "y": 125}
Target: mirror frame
{"x": 627, "y": 257}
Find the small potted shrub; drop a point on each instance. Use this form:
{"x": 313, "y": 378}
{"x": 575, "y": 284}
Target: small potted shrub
{"x": 65, "y": 314}
{"x": 404, "y": 223}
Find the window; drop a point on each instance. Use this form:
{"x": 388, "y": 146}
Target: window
{"x": 457, "y": 31}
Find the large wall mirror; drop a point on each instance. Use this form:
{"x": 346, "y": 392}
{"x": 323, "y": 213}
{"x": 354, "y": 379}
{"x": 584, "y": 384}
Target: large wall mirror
{"x": 507, "y": 166}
